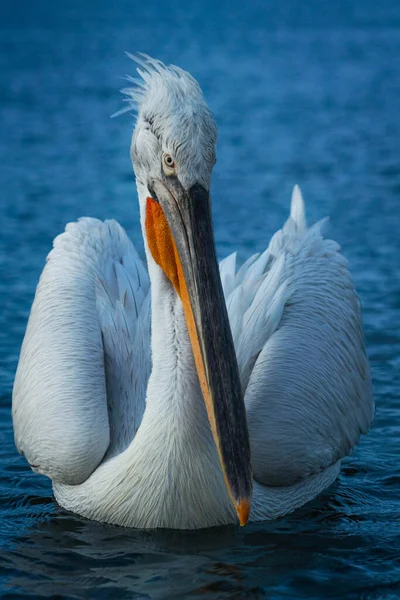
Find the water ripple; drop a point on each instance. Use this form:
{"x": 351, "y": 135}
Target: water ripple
{"x": 301, "y": 95}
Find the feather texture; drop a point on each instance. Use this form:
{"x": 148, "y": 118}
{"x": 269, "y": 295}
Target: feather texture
{"x": 80, "y": 385}
{"x": 116, "y": 417}
{"x": 297, "y": 329}
{"x": 79, "y": 400}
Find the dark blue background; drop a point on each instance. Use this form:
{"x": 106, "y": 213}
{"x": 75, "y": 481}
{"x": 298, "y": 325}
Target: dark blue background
{"x": 305, "y": 92}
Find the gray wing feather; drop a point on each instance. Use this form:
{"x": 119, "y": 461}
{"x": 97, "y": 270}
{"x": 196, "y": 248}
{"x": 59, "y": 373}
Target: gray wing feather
{"x": 79, "y": 340}
{"x": 299, "y": 340}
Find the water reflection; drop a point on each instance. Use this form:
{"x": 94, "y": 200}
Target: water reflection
{"x": 71, "y": 555}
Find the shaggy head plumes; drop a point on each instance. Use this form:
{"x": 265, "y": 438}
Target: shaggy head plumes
{"x": 173, "y": 118}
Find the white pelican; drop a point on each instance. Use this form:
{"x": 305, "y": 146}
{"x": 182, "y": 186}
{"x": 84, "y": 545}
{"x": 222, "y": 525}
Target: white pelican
{"x": 167, "y": 398}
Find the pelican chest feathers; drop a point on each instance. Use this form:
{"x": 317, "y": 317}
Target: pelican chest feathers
{"x": 188, "y": 394}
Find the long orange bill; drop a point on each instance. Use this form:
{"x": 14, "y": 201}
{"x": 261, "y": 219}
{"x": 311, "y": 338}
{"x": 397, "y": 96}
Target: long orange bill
{"x": 180, "y": 237}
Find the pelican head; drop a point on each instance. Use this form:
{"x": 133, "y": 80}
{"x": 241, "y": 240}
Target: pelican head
{"x": 173, "y": 154}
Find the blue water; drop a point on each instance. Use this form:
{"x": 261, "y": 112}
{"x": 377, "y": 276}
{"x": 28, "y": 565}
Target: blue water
{"x": 305, "y": 92}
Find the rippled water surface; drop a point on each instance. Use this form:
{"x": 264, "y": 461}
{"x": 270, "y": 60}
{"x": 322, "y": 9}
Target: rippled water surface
{"x": 303, "y": 92}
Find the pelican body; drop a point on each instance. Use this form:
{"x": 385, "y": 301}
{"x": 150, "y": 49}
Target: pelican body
{"x": 189, "y": 394}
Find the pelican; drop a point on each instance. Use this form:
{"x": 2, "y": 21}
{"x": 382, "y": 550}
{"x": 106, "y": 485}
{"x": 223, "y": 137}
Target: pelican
{"x": 192, "y": 394}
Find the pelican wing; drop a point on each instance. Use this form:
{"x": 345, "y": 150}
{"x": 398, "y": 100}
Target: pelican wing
{"x": 80, "y": 386}
{"x": 297, "y": 328}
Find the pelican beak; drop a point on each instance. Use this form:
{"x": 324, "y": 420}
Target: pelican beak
{"x": 180, "y": 237}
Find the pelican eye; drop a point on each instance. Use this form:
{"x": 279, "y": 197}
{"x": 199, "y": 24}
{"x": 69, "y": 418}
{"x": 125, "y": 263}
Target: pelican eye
{"x": 168, "y": 164}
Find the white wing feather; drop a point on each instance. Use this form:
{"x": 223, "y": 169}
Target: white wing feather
{"x": 297, "y": 329}
{"x": 296, "y": 324}
{"x": 85, "y": 358}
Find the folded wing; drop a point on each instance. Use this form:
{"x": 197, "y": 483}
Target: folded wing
{"x": 80, "y": 385}
{"x": 297, "y": 327}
